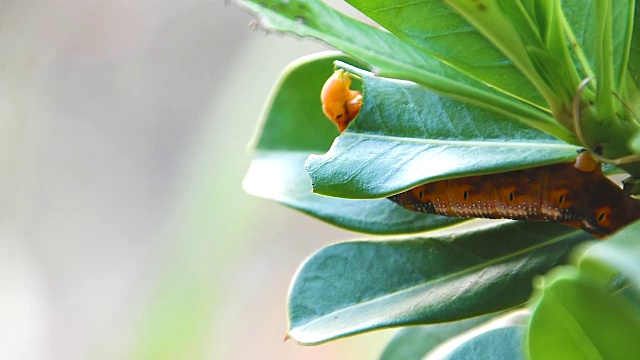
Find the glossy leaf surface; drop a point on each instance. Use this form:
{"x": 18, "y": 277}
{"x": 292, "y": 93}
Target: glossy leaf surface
{"x": 621, "y": 16}
{"x": 406, "y": 135}
{"x": 503, "y": 343}
{"x": 523, "y": 33}
{"x": 614, "y": 22}
{"x": 580, "y": 17}
{"x": 414, "y": 342}
{"x": 352, "y": 287}
{"x": 443, "y": 33}
{"x": 592, "y": 310}
{"x": 579, "y": 318}
{"x": 619, "y": 254}
{"x": 395, "y": 58}
{"x": 634, "y": 53}
{"x": 501, "y": 338}
{"x": 293, "y": 127}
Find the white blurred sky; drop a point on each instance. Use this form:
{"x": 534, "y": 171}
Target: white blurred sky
{"x": 124, "y": 230}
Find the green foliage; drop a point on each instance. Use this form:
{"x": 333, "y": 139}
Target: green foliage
{"x": 403, "y": 126}
{"x": 502, "y": 343}
{"x": 413, "y": 342}
{"x": 393, "y": 57}
{"x": 359, "y": 286}
{"x": 477, "y": 338}
{"x": 291, "y": 130}
{"x": 591, "y": 310}
{"x": 577, "y": 319}
{"x": 456, "y": 88}
{"x": 444, "y": 34}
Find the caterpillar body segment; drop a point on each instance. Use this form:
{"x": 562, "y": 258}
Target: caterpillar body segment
{"x": 564, "y": 192}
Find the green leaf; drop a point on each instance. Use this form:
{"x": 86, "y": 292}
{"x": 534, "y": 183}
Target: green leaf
{"x": 622, "y": 14}
{"x": 358, "y": 286}
{"x": 619, "y": 254}
{"x": 503, "y": 343}
{"x": 531, "y": 34}
{"x": 490, "y": 18}
{"x": 280, "y": 176}
{"x": 393, "y": 58}
{"x": 501, "y": 338}
{"x": 604, "y": 61}
{"x": 634, "y": 53}
{"x": 593, "y": 310}
{"x": 414, "y": 342}
{"x": 293, "y": 126}
{"x": 614, "y": 24}
{"x": 566, "y": 78}
{"x": 577, "y": 317}
{"x": 580, "y": 17}
{"x": 406, "y": 135}
{"x": 631, "y": 186}
{"x": 442, "y": 33}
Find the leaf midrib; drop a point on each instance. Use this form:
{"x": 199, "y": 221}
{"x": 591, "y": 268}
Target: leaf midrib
{"x": 428, "y": 283}
{"x": 469, "y": 143}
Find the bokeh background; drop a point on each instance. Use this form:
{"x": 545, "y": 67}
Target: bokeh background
{"x": 125, "y": 233}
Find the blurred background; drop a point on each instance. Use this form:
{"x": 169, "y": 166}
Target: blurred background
{"x": 125, "y": 233}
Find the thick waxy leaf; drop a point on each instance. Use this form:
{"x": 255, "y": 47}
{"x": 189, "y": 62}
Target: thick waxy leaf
{"x": 614, "y": 23}
{"x": 352, "y": 287}
{"x": 634, "y": 53}
{"x": 508, "y": 27}
{"x": 624, "y": 47}
{"x": 280, "y": 176}
{"x": 393, "y": 57}
{"x": 444, "y": 34}
{"x": 561, "y": 73}
{"x": 502, "y": 343}
{"x": 621, "y": 18}
{"x": 580, "y": 317}
{"x": 532, "y": 36}
{"x": 617, "y": 259}
{"x": 604, "y": 39}
{"x": 592, "y": 310}
{"x": 406, "y": 135}
{"x": 580, "y": 16}
{"x": 501, "y": 338}
{"x": 293, "y": 127}
{"x": 414, "y": 342}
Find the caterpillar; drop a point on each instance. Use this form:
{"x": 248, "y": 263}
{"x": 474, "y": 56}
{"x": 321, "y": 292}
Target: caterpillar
{"x": 574, "y": 193}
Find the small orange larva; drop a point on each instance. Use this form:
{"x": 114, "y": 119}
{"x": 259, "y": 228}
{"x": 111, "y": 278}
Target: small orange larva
{"x": 339, "y": 103}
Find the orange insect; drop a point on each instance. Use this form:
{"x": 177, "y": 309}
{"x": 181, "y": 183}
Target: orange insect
{"x": 339, "y": 102}
{"x": 575, "y": 194}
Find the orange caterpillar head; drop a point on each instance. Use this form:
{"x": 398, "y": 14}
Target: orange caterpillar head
{"x": 339, "y": 103}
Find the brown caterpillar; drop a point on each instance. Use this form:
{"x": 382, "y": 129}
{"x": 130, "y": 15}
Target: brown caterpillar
{"x": 575, "y": 194}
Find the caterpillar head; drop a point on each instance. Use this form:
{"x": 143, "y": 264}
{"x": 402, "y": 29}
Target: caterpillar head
{"x": 339, "y": 103}
{"x": 610, "y": 211}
